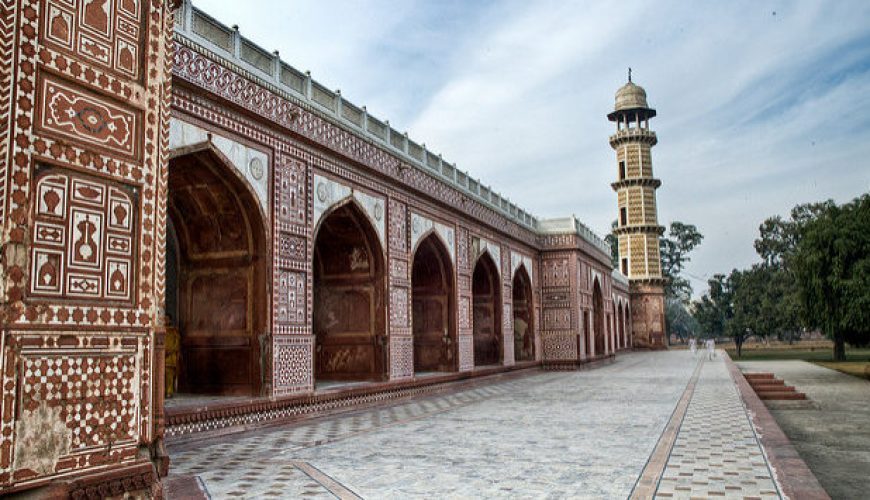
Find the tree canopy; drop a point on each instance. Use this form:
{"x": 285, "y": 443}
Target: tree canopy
{"x": 832, "y": 269}
{"x": 814, "y": 273}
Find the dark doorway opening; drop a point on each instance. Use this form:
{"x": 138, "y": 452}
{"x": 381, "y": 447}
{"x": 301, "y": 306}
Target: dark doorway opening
{"x": 349, "y": 299}
{"x": 486, "y": 291}
{"x": 524, "y": 330}
{"x": 433, "y": 310}
{"x": 598, "y": 318}
{"x": 217, "y": 260}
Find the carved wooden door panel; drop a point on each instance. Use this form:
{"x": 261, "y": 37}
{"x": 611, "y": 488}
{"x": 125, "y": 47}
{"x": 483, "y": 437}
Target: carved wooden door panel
{"x": 431, "y": 336}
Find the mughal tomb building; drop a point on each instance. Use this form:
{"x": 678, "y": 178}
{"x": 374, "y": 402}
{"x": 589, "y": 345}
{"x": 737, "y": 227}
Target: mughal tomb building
{"x": 183, "y": 210}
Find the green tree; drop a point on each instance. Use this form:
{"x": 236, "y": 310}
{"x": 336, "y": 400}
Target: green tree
{"x": 776, "y": 245}
{"x": 679, "y": 320}
{"x": 714, "y": 310}
{"x": 675, "y": 249}
{"x": 779, "y": 237}
{"x": 832, "y": 269}
{"x": 613, "y": 241}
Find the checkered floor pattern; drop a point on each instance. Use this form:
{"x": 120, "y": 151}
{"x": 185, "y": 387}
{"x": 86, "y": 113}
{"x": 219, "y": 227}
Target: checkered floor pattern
{"x": 716, "y": 454}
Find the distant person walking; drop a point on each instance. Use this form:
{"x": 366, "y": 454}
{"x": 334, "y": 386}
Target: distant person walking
{"x": 711, "y": 349}
{"x": 693, "y": 346}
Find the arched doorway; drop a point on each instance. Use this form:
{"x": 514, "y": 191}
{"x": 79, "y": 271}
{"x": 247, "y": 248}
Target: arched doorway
{"x": 217, "y": 264}
{"x": 524, "y": 331}
{"x": 486, "y": 321}
{"x": 433, "y": 309}
{"x": 598, "y": 318}
{"x": 621, "y": 322}
{"x": 349, "y": 304}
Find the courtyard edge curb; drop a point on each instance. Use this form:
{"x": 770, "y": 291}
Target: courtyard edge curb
{"x": 791, "y": 473}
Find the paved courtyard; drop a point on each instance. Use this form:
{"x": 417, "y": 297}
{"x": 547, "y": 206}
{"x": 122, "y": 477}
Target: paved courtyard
{"x": 665, "y": 419}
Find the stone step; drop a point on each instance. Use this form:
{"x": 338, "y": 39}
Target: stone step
{"x": 766, "y": 383}
{"x": 783, "y": 395}
{"x": 784, "y": 388}
{"x": 768, "y": 387}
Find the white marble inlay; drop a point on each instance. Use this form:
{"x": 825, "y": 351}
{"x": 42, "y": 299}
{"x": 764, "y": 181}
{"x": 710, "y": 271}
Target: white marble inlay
{"x": 250, "y": 163}
{"x": 421, "y": 226}
{"x": 329, "y": 193}
{"x": 481, "y": 245}
{"x": 518, "y": 259}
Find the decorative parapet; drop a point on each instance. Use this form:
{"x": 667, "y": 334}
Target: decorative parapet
{"x": 572, "y": 225}
{"x": 298, "y": 86}
{"x": 634, "y": 134}
{"x": 199, "y": 28}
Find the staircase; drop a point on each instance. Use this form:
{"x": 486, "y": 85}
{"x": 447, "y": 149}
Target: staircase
{"x": 768, "y": 387}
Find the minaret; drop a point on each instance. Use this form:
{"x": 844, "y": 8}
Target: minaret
{"x": 638, "y": 230}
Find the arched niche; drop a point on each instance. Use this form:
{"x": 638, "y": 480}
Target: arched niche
{"x": 598, "y": 318}
{"x": 523, "y": 320}
{"x": 486, "y": 320}
{"x": 433, "y": 307}
{"x": 349, "y": 297}
{"x": 217, "y": 260}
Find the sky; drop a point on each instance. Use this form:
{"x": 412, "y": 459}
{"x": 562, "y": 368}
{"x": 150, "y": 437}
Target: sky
{"x": 761, "y": 104}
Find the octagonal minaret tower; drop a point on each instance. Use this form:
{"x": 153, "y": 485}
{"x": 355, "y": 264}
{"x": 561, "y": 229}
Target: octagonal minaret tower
{"x": 638, "y": 230}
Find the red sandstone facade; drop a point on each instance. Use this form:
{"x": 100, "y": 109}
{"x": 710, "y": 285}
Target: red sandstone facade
{"x": 292, "y": 239}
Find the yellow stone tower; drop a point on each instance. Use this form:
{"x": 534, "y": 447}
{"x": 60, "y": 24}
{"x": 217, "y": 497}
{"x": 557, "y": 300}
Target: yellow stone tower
{"x": 638, "y": 230}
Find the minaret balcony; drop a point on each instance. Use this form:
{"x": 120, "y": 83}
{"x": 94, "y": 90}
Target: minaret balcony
{"x": 633, "y": 135}
{"x": 639, "y": 229}
{"x": 636, "y": 181}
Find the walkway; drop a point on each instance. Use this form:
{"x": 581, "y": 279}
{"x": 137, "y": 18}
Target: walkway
{"x": 831, "y": 431}
{"x": 587, "y": 434}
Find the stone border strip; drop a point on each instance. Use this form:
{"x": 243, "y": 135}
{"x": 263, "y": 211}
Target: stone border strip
{"x": 647, "y": 483}
{"x": 334, "y": 487}
{"x": 791, "y": 474}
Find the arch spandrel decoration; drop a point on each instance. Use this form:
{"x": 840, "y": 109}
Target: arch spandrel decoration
{"x": 421, "y": 226}
{"x": 518, "y": 259}
{"x": 250, "y": 163}
{"x": 595, "y": 275}
{"x": 482, "y": 245}
{"x": 329, "y": 193}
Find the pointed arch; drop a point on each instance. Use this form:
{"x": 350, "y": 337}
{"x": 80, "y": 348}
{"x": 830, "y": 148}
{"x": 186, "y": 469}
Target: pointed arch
{"x": 598, "y": 318}
{"x": 349, "y": 317}
{"x": 433, "y": 306}
{"x": 486, "y": 319}
{"x": 620, "y": 327}
{"x": 523, "y": 311}
{"x": 330, "y": 194}
{"x": 220, "y": 256}
{"x": 430, "y": 233}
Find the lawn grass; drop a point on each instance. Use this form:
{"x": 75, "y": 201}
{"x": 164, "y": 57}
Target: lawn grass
{"x": 819, "y": 352}
{"x": 811, "y": 354}
{"x": 859, "y": 369}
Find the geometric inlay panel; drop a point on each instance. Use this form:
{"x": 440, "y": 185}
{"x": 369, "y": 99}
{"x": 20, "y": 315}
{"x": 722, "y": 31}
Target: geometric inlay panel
{"x": 105, "y": 32}
{"x": 96, "y": 396}
{"x": 291, "y": 298}
{"x": 82, "y": 243}
{"x": 292, "y": 364}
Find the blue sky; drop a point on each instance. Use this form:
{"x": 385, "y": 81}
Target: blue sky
{"x": 761, "y": 105}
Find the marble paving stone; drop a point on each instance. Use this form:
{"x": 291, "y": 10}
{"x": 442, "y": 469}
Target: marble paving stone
{"x": 585, "y": 434}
